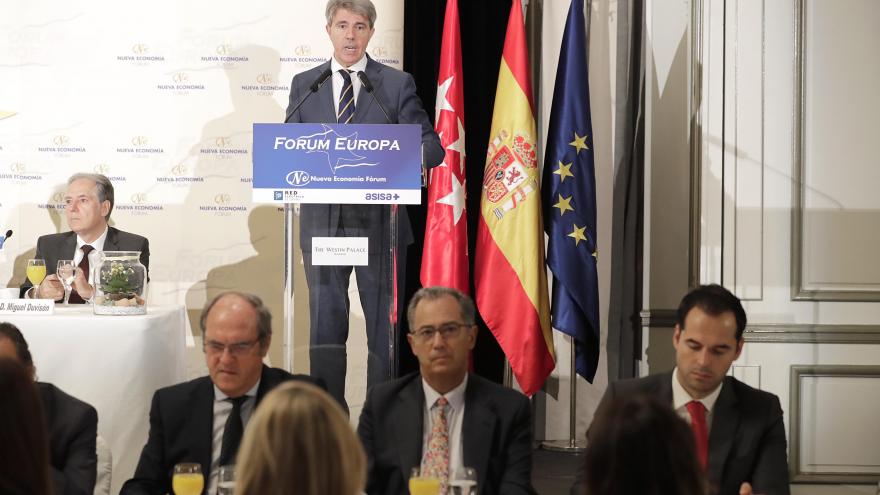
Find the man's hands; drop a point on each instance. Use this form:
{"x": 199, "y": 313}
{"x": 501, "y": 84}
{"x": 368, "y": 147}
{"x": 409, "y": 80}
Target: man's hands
{"x": 81, "y": 284}
{"x": 50, "y": 288}
{"x": 746, "y": 489}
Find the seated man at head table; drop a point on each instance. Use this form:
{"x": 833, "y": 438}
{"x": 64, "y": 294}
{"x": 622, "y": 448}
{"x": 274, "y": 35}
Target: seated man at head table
{"x": 441, "y": 418}
{"x": 88, "y": 203}
{"x": 72, "y": 424}
{"x": 202, "y": 421}
{"x": 738, "y": 430}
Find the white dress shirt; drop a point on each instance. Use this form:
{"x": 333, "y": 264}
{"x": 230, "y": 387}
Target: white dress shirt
{"x": 681, "y": 397}
{"x": 94, "y": 256}
{"x": 455, "y": 397}
{"x": 338, "y": 81}
{"x": 222, "y": 408}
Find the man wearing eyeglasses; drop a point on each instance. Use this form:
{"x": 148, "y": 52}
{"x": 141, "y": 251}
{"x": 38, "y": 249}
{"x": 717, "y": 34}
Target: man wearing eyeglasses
{"x": 202, "y": 420}
{"x": 443, "y": 419}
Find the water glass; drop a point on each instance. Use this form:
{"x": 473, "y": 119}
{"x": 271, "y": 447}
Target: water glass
{"x": 226, "y": 480}
{"x": 66, "y": 271}
{"x": 463, "y": 481}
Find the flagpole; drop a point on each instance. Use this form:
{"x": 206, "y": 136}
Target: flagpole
{"x": 572, "y": 445}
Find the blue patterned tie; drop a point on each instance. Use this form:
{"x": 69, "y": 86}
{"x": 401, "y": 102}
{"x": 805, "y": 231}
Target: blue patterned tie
{"x": 346, "y": 99}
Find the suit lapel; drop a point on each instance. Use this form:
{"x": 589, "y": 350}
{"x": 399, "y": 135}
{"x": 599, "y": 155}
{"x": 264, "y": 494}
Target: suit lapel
{"x": 67, "y": 249}
{"x": 111, "y": 243}
{"x": 409, "y": 416}
{"x": 477, "y": 430}
{"x": 663, "y": 388}
{"x": 725, "y": 422}
{"x": 201, "y": 423}
{"x": 364, "y": 100}
{"x": 325, "y": 95}
{"x": 267, "y": 383}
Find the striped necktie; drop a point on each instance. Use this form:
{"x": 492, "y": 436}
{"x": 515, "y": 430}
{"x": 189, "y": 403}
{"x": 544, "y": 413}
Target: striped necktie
{"x": 346, "y": 99}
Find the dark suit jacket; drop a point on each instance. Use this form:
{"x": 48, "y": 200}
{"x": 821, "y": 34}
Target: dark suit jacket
{"x": 747, "y": 437}
{"x": 181, "y": 419}
{"x": 54, "y": 247}
{"x": 496, "y": 431}
{"x": 73, "y": 426}
{"x": 397, "y": 92}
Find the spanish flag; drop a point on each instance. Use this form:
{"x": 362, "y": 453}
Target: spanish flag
{"x": 509, "y": 272}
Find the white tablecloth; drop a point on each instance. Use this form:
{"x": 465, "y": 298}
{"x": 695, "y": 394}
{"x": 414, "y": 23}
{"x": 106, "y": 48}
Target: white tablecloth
{"x": 114, "y": 363}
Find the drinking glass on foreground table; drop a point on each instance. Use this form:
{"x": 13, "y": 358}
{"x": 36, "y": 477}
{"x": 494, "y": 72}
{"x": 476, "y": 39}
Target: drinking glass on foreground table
{"x": 419, "y": 485}
{"x": 188, "y": 479}
{"x": 226, "y": 480}
{"x": 463, "y": 482}
{"x": 66, "y": 272}
{"x": 36, "y": 271}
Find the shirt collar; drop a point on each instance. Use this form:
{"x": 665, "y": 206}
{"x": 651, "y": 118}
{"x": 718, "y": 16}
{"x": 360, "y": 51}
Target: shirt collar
{"x": 454, "y": 396}
{"x": 219, "y": 396}
{"x": 355, "y": 67}
{"x": 680, "y": 396}
{"x": 98, "y": 244}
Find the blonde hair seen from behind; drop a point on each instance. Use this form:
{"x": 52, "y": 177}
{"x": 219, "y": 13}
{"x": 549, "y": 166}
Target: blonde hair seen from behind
{"x": 299, "y": 441}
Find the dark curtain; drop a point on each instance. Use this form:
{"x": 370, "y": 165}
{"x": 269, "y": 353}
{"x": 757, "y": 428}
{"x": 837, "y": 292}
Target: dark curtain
{"x": 624, "y": 327}
{"x": 483, "y": 25}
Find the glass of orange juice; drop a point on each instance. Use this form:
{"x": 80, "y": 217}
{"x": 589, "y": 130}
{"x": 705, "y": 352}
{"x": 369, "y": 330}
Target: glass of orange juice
{"x": 36, "y": 271}
{"x": 423, "y": 485}
{"x": 188, "y": 479}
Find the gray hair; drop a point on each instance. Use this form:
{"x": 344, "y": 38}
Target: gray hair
{"x": 360, "y": 7}
{"x": 103, "y": 186}
{"x": 465, "y": 303}
{"x": 264, "y": 316}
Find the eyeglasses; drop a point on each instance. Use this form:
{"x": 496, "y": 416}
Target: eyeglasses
{"x": 237, "y": 349}
{"x": 446, "y": 330}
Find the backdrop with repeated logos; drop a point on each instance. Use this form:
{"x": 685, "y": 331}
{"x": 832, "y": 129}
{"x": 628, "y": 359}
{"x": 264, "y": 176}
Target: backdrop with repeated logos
{"x": 159, "y": 96}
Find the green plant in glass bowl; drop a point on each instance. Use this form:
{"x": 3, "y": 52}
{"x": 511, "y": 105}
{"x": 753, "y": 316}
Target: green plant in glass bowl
{"x": 121, "y": 284}
{"x": 117, "y": 283}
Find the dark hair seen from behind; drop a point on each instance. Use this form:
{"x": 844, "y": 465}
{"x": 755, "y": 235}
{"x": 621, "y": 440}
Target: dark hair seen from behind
{"x": 639, "y": 446}
{"x": 24, "y": 441}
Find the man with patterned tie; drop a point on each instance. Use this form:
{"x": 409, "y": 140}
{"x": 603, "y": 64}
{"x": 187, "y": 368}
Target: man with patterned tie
{"x": 343, "y": 99}
{"x": 88, "y": 203}
{"x": 202, "y": 421}
{"x": 738, "y": 430}
{"x": 442, "y": 419}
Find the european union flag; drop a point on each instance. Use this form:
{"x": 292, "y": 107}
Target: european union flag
{"x": 569, "y": 199}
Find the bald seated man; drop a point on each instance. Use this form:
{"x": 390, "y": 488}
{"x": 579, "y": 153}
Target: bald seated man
{"x": 202, "y": 421}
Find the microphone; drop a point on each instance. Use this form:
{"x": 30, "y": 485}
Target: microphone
{"x": 315, "y": 86}
{"x": 3, "y": 238}
{"x": 369, "y": 87}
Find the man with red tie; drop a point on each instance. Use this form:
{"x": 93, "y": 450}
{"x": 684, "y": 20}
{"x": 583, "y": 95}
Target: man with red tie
{"x": 88, "y": 203}
{"x": 738, "y": 430}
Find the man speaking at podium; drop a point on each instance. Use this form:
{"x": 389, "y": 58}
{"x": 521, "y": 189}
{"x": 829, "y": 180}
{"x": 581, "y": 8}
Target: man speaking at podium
{"x": 360, "y": 91}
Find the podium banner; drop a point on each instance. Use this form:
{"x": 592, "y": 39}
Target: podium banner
{"x": 337, "y": 163}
